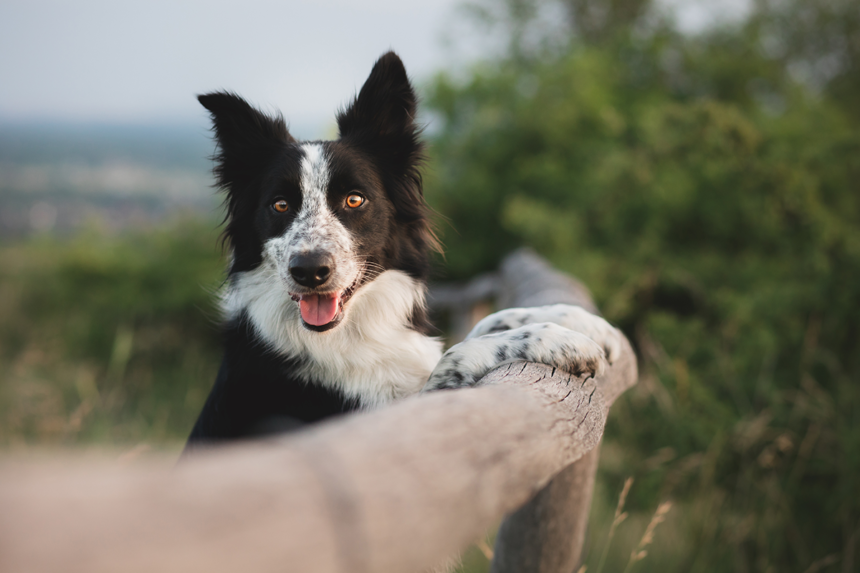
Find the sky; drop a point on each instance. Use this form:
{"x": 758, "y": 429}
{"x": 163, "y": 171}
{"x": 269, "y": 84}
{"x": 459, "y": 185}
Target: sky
{"x": 113, "y": 61}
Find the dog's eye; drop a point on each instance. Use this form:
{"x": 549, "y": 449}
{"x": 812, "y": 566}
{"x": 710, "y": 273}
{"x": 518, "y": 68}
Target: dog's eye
{"x": 354, "y": 200}
{"x": 281, "y": 206}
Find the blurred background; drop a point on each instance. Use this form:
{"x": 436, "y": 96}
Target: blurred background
{"x": 695, "y": 163}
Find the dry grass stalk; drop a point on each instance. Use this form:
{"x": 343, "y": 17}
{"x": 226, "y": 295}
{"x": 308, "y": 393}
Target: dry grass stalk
{"x": 831, "y": 559}
{"x": 639, "y": 553}
{"x": 485, "y": 549}
{"x": 620, "y": 515}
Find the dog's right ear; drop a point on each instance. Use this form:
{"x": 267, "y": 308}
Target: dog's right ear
{"x": 247, "y": 139}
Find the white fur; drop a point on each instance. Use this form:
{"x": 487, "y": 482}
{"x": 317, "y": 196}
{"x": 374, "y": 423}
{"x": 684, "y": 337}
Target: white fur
{"x": 564, "y": 336}
{"x": 373, "y": 355}
{"x": 575, "y": 318}
{"x": 315, "y": 228}
{"x": 464, "y": 364}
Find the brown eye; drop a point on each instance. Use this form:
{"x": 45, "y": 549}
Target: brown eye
{"x": 281, "y": 206}
{"x": 354, "y": 200}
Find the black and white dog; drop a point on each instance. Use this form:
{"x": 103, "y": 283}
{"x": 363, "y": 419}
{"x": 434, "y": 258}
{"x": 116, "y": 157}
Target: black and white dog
{"x": 324, "y": 303}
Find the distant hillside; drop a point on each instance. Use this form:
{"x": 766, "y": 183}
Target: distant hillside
{"x": 56, "y": 178}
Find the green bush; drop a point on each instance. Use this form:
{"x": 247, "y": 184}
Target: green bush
{"x": 722, "y": 234}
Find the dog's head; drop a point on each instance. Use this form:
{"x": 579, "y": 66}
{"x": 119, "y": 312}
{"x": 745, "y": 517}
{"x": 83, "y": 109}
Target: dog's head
{"x": 329, "y": 216}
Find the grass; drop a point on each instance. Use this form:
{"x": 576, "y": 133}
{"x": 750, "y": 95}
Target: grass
{"x": 108, "y": 341}
{"x": 638, "y": 548}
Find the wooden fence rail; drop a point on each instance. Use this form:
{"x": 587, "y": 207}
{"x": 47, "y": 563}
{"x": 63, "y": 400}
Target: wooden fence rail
{"x": 396, "y": 490}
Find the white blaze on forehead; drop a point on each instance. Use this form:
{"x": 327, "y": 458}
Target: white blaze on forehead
{"x": 315, "y": 180}
{"x": 316, "y": 228}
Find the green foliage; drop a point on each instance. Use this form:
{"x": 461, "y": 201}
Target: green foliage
{"x": 712, "y": 204}
{"x": 704, "y": 187}
{"x": 817, "y": 40}
{"x": 107, "y": 339}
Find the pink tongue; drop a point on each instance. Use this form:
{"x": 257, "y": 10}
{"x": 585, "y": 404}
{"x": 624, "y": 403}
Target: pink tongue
{"x": 318, "y": 310}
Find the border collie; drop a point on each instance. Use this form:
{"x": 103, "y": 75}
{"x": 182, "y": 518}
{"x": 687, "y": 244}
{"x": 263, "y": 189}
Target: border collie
{"x": 330, "y": 241}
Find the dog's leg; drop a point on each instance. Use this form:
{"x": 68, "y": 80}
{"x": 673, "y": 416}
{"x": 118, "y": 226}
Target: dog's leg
{"x": 562, "y": 336}
{"x": 547, "y": 343}
{"x": 572, "y": 317}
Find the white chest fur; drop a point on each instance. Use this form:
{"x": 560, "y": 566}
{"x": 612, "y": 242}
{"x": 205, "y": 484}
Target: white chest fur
{"x": 373, "y": 355}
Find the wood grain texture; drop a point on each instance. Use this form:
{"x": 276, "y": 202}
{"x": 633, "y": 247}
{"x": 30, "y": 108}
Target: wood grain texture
{"x": 396, "y": 490}
{"x": 547, "y": 534}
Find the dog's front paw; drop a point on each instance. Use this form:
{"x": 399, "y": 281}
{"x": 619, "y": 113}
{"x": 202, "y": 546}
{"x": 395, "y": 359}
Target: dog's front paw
{"x": 547, "y": 343}
{"x": 572, "y": 317}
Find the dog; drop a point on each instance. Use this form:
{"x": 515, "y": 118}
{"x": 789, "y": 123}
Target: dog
{"x": 330, "y": 244}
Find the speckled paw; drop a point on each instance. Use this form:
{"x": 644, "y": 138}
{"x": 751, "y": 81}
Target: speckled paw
{"x": 547, "y": 343}
{"x": 572, "y": 317}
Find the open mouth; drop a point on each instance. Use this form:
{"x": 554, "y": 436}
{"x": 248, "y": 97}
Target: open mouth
{"x": 322, "y": 311}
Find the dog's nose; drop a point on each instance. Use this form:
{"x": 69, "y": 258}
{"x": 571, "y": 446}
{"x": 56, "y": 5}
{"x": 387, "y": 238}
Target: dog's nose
{"x": 311, "y": 269}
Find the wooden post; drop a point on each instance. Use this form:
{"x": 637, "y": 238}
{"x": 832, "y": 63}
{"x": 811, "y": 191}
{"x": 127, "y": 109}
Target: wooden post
{"x": 547, "y": 534}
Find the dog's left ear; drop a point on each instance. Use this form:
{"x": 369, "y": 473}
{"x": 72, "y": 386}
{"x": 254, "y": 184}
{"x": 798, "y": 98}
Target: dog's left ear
{"x": 381, "y": 122}
{"x": 383, "y": 113}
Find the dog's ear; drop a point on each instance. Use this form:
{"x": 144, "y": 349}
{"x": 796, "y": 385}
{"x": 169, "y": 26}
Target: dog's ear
{"x": 381, "y": 122}
{"x": 385, "y": 106}
{"x": 247, "y": 139}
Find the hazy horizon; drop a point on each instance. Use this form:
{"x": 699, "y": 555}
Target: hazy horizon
{"x": 101, "y": 62}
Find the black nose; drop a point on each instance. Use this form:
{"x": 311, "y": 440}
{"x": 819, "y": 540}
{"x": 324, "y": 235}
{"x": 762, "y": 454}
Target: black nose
{"x": 311, "y": 269}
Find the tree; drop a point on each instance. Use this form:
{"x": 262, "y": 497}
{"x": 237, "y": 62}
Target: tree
{"x": 710, "y": 197}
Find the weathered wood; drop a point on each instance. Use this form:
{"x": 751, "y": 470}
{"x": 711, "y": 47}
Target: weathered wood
{"x": 547, "y": 534}
{"x": 461, "y": 302}
{"x": 528, "y": 280}
{"x": 480, "y": 288}
{"x": 395, "y": 490}
{"x": 389, "y": 491}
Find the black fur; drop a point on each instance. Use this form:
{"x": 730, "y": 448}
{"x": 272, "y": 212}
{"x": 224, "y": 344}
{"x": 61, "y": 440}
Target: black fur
{"x": 257, "y": 161}
{"x": 256, "y": 393}
{"x": 378, "y": 149}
